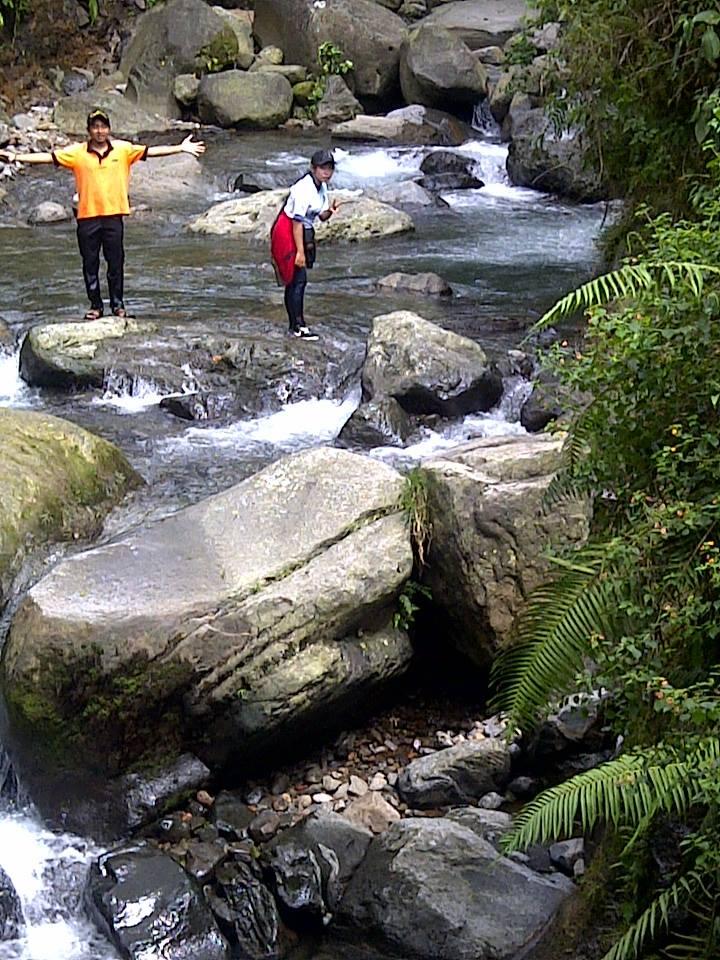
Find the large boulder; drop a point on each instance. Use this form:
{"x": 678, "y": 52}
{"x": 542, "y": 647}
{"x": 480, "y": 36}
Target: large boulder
{"x": 166, "y": 181}
{"x": 181, "y": 36}
{"x": 458, "y": 774}
{"x": 236, "y": 371}
{"x": 433, "y": 889}
{"x": 378, "y": 423}
{"x": 236, "y": 98}
{"x": 439, "y": 70}
{"x": 147, "y": 905}
{"x": 427, "y": 369}
{"x": 250, "y": 218}
{"x": 414, "y": 124}
{"x": 127, "y": 118}
{"x": 480, "y": 23}
{"x": 244, "y": 620}
{"x": 57, "y": 481}
{"x": 338, "y": 103}
{"x": 11, "y": 915}
{"x": 491, "y": 534}
{"x": 368, "y": 35}
{"x": 540, "y": 158}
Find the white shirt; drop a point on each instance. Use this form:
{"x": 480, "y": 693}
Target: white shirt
{"x": 307, "y": 201}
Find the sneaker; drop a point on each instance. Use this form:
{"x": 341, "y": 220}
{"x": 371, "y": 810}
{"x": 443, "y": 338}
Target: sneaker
{"x": 306, "y": 334}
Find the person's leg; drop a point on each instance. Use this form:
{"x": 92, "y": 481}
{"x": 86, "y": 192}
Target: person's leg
{"x": 114, "y": 253}
{"x": 295, "y": 298}
{"x": 89, "y": 233}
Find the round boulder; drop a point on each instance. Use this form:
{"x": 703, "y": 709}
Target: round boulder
{"x": 49, "y": 212}
{"x": 235, "y": 98}
{"x": 438, "y": 70}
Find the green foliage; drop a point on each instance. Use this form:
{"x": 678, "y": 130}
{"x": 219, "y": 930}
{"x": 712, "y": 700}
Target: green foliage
{"x": 519, "y": 50}
{"x": 415, "y": 504}
{"x": 637, "y": 612}
{"x": 12, "y": 12}
{"x": 404, "y": 616}
{"x": 332, "y": 62}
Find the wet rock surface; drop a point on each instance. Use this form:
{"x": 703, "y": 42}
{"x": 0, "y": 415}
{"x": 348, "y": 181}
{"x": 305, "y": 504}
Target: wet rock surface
{"x": 11, "y": 915}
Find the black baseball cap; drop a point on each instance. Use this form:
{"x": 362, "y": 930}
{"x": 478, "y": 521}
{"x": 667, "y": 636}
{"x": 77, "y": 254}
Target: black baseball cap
{"x": 98, "y": 114}
{"x": 322, "y": 158}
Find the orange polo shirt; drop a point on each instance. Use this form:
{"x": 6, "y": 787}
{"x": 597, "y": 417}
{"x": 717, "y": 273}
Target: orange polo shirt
{"x": 102, "y": 182}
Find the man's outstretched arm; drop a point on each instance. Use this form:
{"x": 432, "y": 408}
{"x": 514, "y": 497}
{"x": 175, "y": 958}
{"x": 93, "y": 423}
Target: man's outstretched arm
{"x": 194, "y": 148}
{"x": 11, "y": 156}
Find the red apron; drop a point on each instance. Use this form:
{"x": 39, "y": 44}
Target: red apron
{"x": 282, "y": 248}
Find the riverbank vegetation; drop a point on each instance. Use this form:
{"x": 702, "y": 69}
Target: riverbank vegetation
{"x": 636, "y": 615}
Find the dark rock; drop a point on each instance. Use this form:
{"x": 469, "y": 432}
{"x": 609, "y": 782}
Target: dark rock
{"x": 147, "y": 796}
{"x": 571, "y": 726}
{"x": 432, "y": 889}
{"x": 447, "y": 161}
{"x": 231, "y": 815}
{"x": 566, "y": 853}
{"x": 196, "y": 406}
{"x": 11, "y": 915}
{"x": 489, "y": 825}
{"x": 248, "y": 912}
{"x": 338, "y": 104}
{"x": 169, "y": 917}
{"x": 264, "y": 826}
{"x": 173, "y": 828}
{"x": 523, "y": 787}
{"x": 443, "y": 182}
{"x": 297, "y": 880}
{"x": 377, "y": 423}
{"x": 457, "y": 774}
{"x": 581, "y": 763}
{"x": 203, "y": 859}
{"x": 438, "y": 70}
{"x": 255, "y": 182}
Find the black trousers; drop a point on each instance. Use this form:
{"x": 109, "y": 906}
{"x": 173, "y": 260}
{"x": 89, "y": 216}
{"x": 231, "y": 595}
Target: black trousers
{"x": 102, "y": 233}
{"x": 295, "y": 298}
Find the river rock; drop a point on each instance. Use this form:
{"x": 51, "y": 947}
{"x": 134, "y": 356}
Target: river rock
{"x": 338, "y": 103}
{"x": 231, "y": 815}
{"x": 445, "y": 182}
{"x": 371, "y": 811}
{"x": 169, "y": 917}
{"x": 181, "y": 36}
{"x": 11, "y": 915}
{"x": 359, "y": 218}
{"x": 164, "y": 182}
{"x": 185, "y": 88}
{"x": 148, "y": 794}
{"x": 447, "y": 161}
{"x": 540, "y": 158}
{"x": 491, "y": 533}
{"x": 459, "y": 774}
{"x": 490, "y": 825}
{"x": 428, "y": 284}
{"x": 242, "y": 28}
{"x": 236, "y": 98}
{"x": 446, "y": 895}
{"x": 406, "y": 193}
{"x": 248, "y": 912}
{"x": 57, "y": 481}
{"x": 49, "y": 212}
{"x": 439, "y": 70}
{"x": 480, "y": 23}
{"x": 244, "y": 624}
{"x": 127, "y": 118}
{"x": 368, "y": 35}
{"x": 378, "y": 423}
{"x": 294, "y": 73}
{"x": 565, "y": 854}
{"x": 427, "y": 369}
{"x": 414, "y": 124}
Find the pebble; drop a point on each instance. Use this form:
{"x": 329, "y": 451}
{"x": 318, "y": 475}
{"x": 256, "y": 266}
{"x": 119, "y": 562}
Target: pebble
{"x": 378, "y": 782}
{"x": 357, "y": 786}
{"x": 203, "y": 797}
{"x": 254, "y": 796}
{"x": 342, "y": 791}
{"x": 281, "y": 783}
{"x": 321, "y": 798}
{"x": 392, "y": 779}
{"x": 491, "y": 801}
{"x": 304, "y": 801}
{"x": 330, "y": 783}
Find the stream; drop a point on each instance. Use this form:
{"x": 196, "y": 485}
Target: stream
{"x": 507, "y": 253}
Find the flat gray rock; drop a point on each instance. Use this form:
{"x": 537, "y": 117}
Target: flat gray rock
{"x": 460, "y": 774}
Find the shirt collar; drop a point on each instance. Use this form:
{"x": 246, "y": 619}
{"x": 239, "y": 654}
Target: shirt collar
{"x": 100, "y": 155}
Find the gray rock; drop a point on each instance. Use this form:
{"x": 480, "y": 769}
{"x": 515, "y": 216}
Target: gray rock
{"x": 181, "y": 36}
{"x": 49, "y": 212}
{"x": 489, "y": 825}
{"x": 242, "y": 28}
{"x": 406, "y": 193}
{"x": 11, "y": 915}
{"x": 231, "y": 815}
{"x": 185, "y": 88}
{"x": 480, "y": 23}
{"x": 414, "y": 124}
{"x": 446, "y": 895}
{"x": 174, "y": 922}
{"x": 540, "y": 158}
{"x": 75, "y": 81}
{"x": 447, "y": 161}
{"x": 445, "y": 182}
{"x": 491, "y": 801}
{"x": 293, "y": 72}
{"x": 523, "y": 787}
{"x": 439, "y": 70}
{"x": 203, "y": 858}
{"x": 491, "y": 534}
{"x": 297, "y": 880}
{"x": 369, "y": 35}
{"x": 372, "y": 811}
{"x": 460, "y": 774}
{"x": 243, "y": 902}
{"x": 338, "y": 104}
{"x": 287, "y": 620}
{"x": 127, "y": 118}
{"x": 427, "y": 284}
{"x": 147, "y": 795}
{"x": 378, "y": 423}
{"x": 271, "y": 55}
{"x": 427, "y": 369}
{"x": 235, "y": 98}
{"x": 566, "y": 853}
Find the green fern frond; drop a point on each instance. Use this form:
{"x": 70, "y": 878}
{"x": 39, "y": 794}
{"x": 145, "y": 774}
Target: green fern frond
{"x": 552, "y": 636}
{"x": 564, "y": 484}
{"x": 622, "y": 792}
{"x": 628, "y": 281}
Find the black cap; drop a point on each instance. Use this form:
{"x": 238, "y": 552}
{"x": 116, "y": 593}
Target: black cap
{"x": 322, "y": 158}
{"x": 98, "y": 114}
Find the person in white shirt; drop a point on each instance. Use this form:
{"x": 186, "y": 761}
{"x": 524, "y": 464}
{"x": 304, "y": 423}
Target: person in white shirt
{"x": 293, "y": 236}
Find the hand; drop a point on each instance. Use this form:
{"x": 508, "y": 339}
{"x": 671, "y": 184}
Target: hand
{"x": 7, "y": 155}
{"x": 300, "y": 258}
{"x": 194, "y": 148}
{"x": 334, "y": 205}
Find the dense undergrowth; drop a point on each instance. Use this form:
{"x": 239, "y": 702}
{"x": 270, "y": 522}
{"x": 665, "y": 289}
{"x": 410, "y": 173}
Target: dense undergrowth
{"x": 636, "y": 614}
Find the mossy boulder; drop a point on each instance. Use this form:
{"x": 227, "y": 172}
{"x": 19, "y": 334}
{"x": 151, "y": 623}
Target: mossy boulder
{"x": 57, "y": 481}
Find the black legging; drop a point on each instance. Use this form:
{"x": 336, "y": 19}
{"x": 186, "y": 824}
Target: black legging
{"x": 295, "y": 298}
{"x": 106, "y": 233}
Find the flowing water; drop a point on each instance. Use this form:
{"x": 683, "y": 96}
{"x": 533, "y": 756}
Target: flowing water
{"x": 507, "y": 252}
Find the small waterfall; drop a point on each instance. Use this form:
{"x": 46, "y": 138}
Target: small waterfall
{"x": 132, "y": 394}
{"x": 484, "y": 122}
{"x": 14, "y": 392}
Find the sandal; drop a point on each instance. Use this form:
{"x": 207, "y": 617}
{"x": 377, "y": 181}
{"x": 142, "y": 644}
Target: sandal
{"x": 93, "y": 314}
{"x": 119, "y": 312}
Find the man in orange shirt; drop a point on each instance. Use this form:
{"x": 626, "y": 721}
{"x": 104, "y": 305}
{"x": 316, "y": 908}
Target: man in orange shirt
{"x": 102, "y": 172}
